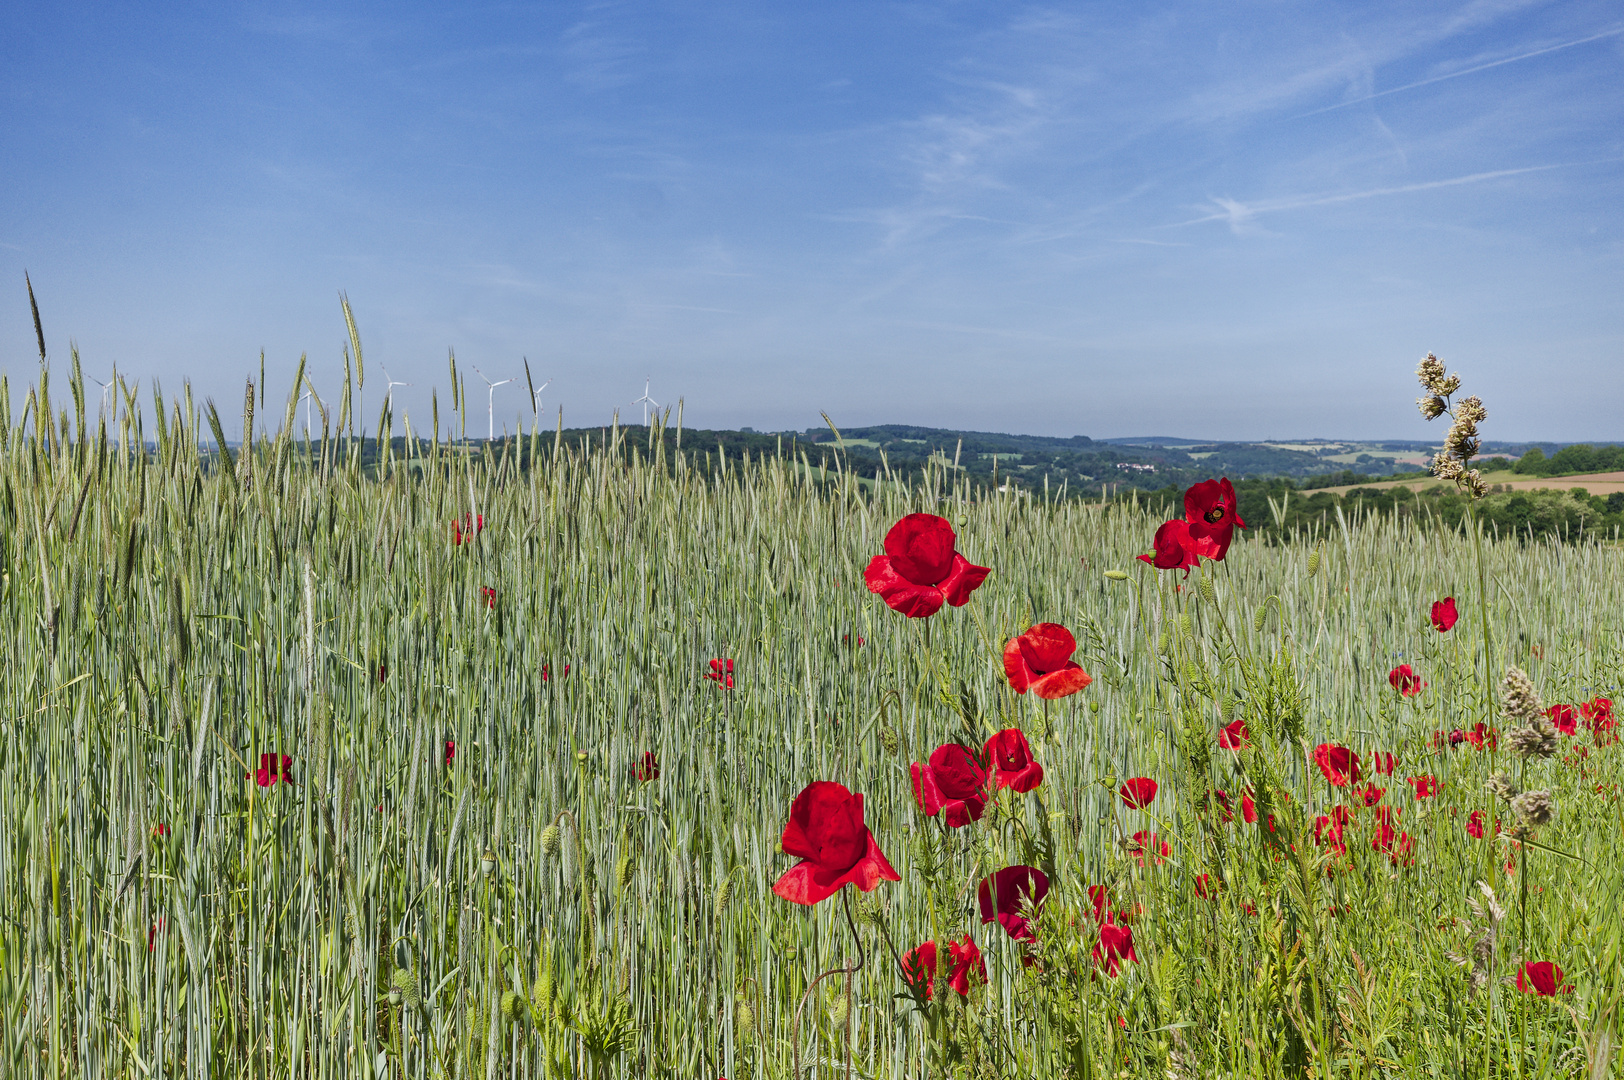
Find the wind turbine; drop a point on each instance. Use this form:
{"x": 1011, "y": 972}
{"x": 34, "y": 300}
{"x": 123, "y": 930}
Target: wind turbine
{"x": 305, "y": 397}
{"x": 107, "y": 388}
{"x": 646, "y": 401}
{"x": 389, "y": 387}
{"x": 490, "y": 404}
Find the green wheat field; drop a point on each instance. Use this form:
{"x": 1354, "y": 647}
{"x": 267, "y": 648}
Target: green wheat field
{"x": 469, "y": 869}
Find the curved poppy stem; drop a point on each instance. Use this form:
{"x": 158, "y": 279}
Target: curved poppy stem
{"x": 848, "y": 971}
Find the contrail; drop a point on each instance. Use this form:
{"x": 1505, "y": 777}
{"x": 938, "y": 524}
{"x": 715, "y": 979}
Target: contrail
{"x": 1466, "y": 71}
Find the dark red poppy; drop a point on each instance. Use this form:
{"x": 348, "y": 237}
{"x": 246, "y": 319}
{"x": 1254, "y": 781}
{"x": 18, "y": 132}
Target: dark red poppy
{"x": 1234, "y": 736}
{"x": 1248, "y": 808}
{"x": 1100, "y": 897}
{"x": 721, "y": 673}
{"x": 1205, "y": 887}
{"x": 647, "y": 767}
{"x": 467, "y": 528}
{"x": 1444, "y": 615}
{"x": 846, "y": 639}
{"x": 826, "y": 832}
{"x": 1386, "y": 837}
{"x": 1540, "y": 977}
{"x": 270, "y": 771}
{"x": 383, "y": 672}
{"x": 547, "y": 672}
{"x": 490, "y": 596}
{"x": 920, "y": 570}
{"x": 450, "y": 751}
{"x": 1405, "y": 680}
{"x": 1011, "y": 757}
{"x": 919, "y": 966}
{"x": 1339, "y": 764}
{"x": 954, "y": 781}
{"x": 1225, "y": 809}
{"x": 1139, "y": 792}
{"x": 1174, "y": 548}
{"x": 1010, "y": 897}
{"x": 160, "y": 830}
{"x": 1040, "y": 660}
{"x": 1328, "y": 830}
{"x": 153, "y": 931}
{"x": 1565, "y": 717}
{"x": 1425, "y": 786}
{"x": 1212, "y": 511}
{"x": 1383, "y": 762}
{"x": 1598, "y": 714}
{"x": 1145, "y": 845}
{"x": 1474, "y": 825}
{"x": 1370, "y": 794}
{"x": 1483, "y": 737}
{"x": 1114, "y": 946}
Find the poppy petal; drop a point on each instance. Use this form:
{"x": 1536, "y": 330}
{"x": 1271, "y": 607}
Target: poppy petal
{"x": 1059, "y": 684}
{"x": 900, "y": 594}
{"x": 964, "y": 579}
{"x": 921, "y": 548}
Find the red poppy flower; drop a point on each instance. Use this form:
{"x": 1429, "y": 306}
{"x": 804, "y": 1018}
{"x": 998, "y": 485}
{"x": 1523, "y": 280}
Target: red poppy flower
{"x": 1405, "y": 681}
{"x": 1540, "y": 977}
{"x": 1384, "y": 762}
{"x": 953, "y": 781}
{"x": 1100, "y": 897}
{"x": 466, "y": 529}
{"x": 1248, "y": 808}
{"x": 647, "y": 768}
{"x": 721, "y": 673}
{"x": 450, "y": 751}
{"x": 919, "y": 966}
{"x": 1339, "y": 764}
{"x": 160, "y": 830}
{"x": 1010, "y": 755}
{"x": 1174, "y": 548}
{"x": 1328, "y": 830}
{"x": 1597, "y": 709}
{"x": 1147, "y": 844}
{"x": 1010, "y": 897}
{"x": 1474, "y": 825}
{"x": 826, "y": 832}
{"x": 1483, "y": 737}
{"x": 1425, "y": 786}
{"x": 269, "y": 771}
{"x": 1139, "y": 792}
{"x": 920, "y": 569}
{"x": 846, "y": 639}
{"x": 1211, "y": 509}
{"x": 547, "y": 672}
{"x": 1040, "y": 660}
{"x": 154, "y": 930}
{"x": 1225, "y": 809}
{"x": 490, "y": 596}
{"x": 1444, "y": 615}
{"x": 1370, "y": 794}
{"x": 1234, "y": 736}
{"x": 1205, "y": 889}
{"x": 383, "y": 672}
{"x": 1565, "y": 717}
{"x": 1114, "y": 946}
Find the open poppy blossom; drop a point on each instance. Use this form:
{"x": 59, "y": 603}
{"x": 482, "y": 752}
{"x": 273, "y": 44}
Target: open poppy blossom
{"x": 1145, "y": 845}
{"x": 921, "y": 570}
{"x": 953, "y": 780}
{"x": 1598, "y": 714}
{"x": 1011, "y": 757}
{"x": 1565, "y": 717}
{"x": 1010, "y": 896}
{"x": 464, "y": 531}
{"x": 1370, "y": 794}
{"x": 1100, "y": 897}
{"x": 450, "y": 751}
{"x": 1339, "y": 764}
{"x": 919, "y": 966}
{"x": 1444, "y": 615}
{"x": 1383, "y": 762}
{"x": 721, "y": 673}
{"x": 1234, "y": 736}
{"x": 648, "y": 767}
{"x": 1115, "y": 945}
{"x": 1205, "y": 887}
{"x": 1482, "y": 736}
{"x": 1210, "y": 507}
{"x": 1542, "y": 977}
{"x": 1173, "y": 548}
{"x": 1405, "y": 680}
{"x": 1425, "y": 786}
{"x": 1139, "y": 792}
{"x": 826, "y": 832}
{"x": 1328, "y": 830}
{"x": 270, "y": 770}
{"x": 490, "y": 596}
{"x": 1248, "y": 807}
{"x": 1040, "y": 660}
{"x": 1474, "y": 825}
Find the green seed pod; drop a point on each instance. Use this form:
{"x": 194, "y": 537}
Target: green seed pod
{"x": 1117, "y": 575}
{"x": 1186, "y": 624}
{"x": 580, "y": 758}
{"x": 1259, "y": 617}
{"x": 552, "y": 840}
{"x": 1093, "y": 706}
{"x": 403, "y": 987}
{"x": 1209, "y": 591}
{"x": 1313, "y": 562}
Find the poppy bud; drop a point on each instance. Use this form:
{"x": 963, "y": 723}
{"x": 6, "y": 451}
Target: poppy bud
{"x": 403, "y": 987}
{"x": 487, "y": 864}
{"x": 1093, "y": 706}
{"x": 1209, "y": 591}
{"x": 724, "y": 895}
{"x": 1186, "y": 624}
{"x": 624, "y": 869}
{"x": 552, "y": 840}
{"x": 1117, "y": 575}
{"x": 514, "y": 1006}
{"x": 1162, "y": 643}
{"x": 745, "y": 1017}
{"x": 1260, "y": 617}
{"x": 1313, "y": 562}
{"x": 839, "y": 1010}
{"x": 580, "y": 758}
{"x": 888, "y": 739}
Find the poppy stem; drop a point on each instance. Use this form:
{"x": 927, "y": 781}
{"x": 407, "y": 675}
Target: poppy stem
{"x": 848, "y": 971}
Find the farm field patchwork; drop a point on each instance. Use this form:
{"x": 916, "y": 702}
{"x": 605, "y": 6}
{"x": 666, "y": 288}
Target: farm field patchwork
{"x": 517, "y": 762}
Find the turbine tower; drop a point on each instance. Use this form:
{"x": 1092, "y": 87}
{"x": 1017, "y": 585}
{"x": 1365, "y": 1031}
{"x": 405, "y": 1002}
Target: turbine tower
{"x": 490, "y": 404}
{"x": 389, "y": 388}
{"x": 646, "y": 401}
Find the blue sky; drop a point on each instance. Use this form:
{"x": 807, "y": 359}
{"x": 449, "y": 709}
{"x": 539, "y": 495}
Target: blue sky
{"x": 1236, "y": 221}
